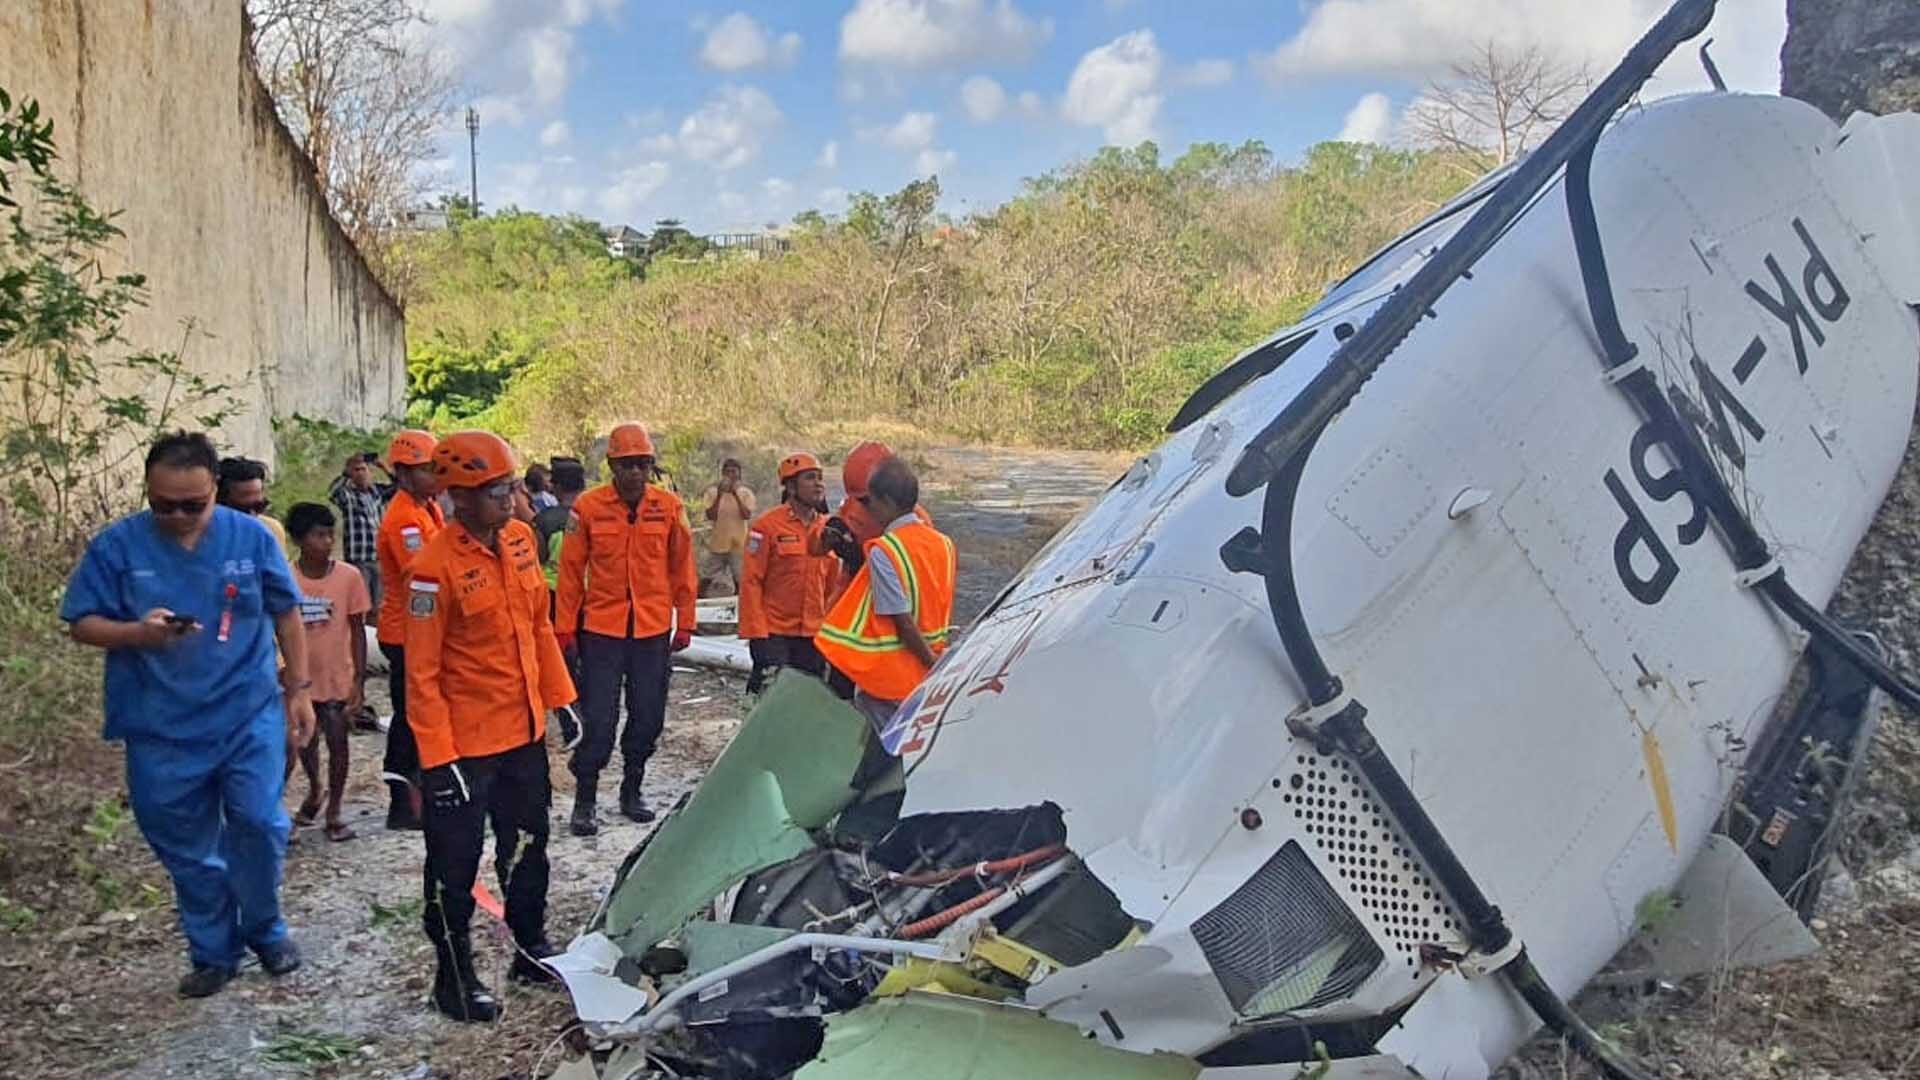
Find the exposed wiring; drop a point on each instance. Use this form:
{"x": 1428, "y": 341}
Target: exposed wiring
{"x": 981, "y": 870}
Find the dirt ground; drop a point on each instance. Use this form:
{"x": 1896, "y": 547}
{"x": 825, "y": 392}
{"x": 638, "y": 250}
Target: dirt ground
{"x": 95, "y": 998}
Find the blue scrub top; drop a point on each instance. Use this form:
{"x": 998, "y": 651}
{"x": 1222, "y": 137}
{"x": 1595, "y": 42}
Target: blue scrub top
{"x": 199, "y": 688}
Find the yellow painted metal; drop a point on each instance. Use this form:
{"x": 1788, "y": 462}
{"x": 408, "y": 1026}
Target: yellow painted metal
{"x": 938, "y": 976}
{"x": 1662, "y": 788}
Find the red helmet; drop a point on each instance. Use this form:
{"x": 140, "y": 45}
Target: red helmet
{"x": 794, "y": 464}
{"x": 411, "y": 447}
{"x": 860, "y": 463}
{"x": 629, "y": 440}
{"x": 470, "y": 459}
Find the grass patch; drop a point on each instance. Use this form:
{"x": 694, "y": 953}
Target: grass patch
{"x": 310, "y": 1048}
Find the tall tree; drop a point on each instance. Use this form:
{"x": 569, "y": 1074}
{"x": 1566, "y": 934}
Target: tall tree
{"x": 1496, "y": 104}
{"x": 365, "y": 95}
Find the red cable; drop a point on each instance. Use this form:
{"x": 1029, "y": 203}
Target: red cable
{"x": 930, "y": 878}
{"x": 942, "y": 920}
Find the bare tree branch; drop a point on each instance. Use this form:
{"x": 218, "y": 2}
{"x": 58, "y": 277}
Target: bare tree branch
{"x": 1498, "y": 103}
{"x": 362, "y": 92}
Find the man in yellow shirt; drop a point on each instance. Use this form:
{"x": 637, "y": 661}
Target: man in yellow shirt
{"x": 730, "y": 507}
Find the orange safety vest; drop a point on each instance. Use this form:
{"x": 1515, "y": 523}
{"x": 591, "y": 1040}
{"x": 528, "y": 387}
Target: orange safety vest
{"x": 864, "y": 529}
{"x": 405, "y": 528}
{"x": 865, "y": 646}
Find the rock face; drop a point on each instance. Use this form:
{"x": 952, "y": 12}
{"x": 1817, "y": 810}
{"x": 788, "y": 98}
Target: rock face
{"x": 1843, "y": 55}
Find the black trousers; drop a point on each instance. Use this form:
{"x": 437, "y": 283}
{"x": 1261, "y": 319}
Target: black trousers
{"x": 513, "y": 791}
{"x": 608, "y": 666}
{"x": 403, "y": 755}
{"x": 783, "y": 650}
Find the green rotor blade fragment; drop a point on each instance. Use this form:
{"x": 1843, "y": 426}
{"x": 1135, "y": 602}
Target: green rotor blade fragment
{"x": 944, "y": 1037}
{"x": 789, "y": 769}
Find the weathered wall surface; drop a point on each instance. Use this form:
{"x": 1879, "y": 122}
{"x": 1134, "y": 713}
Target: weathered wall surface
{"x": 157, "y": 112}
{"x": 1845, "y": 55}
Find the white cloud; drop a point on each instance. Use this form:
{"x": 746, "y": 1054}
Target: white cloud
{"x": 983, "y": 98}
{"x": 778, "y": 190}
{"x": 651, "y": 117}
{"x": 1420, "y": 38}
{"x": 658, "y": 144}
{"x": 1204, "y": 73}
{"x": 832, "y": 199}
{"x": 555, "y": 134}
{"x": 739, "y": 43}
{"x": 1116, "y": 88}
{"x": 933, "y": 160}
{"x": 829, "y": 155}
{"x": 913, "y": 131}
{"x": 1369, "y": 121}
{"x": 1031, "y": 104}
{"x": 571, "y": 198}
{"x": 520, "y": 57}
{"x": 728, "y": 130}
{"x": 632, "y": 188}
{"x": 931, "y": 34}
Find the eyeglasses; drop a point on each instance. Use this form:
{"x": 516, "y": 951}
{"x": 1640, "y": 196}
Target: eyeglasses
{"x": 184, "y": 507}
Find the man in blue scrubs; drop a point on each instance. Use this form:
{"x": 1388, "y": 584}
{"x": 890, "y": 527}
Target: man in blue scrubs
{"x": 188, "y": 599}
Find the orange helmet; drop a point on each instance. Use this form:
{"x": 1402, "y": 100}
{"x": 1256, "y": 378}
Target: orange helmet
{"x": 411, "y": 447}
{"x": 470, "y": 459}
{"x": 860, "y": 463}
{"x": 629, "y": 440}
{"x": 794, "y": 464}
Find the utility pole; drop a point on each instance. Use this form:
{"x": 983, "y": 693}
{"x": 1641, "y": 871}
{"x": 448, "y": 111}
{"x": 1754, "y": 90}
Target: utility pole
{"x": 473, "y": 158}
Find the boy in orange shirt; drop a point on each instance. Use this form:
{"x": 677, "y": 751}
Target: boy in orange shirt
{"x": 333, "y": 609}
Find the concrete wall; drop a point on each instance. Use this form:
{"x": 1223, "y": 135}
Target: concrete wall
{"x": 157, "y": 112}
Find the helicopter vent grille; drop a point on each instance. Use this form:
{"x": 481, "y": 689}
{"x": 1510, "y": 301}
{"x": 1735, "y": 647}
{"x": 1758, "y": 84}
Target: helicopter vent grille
{"x": 1358, "y": 838}
{"x": 1283, "y": 941}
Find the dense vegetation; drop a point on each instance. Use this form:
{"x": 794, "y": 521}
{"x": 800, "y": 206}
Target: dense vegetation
{"x": 1079, "y": 313}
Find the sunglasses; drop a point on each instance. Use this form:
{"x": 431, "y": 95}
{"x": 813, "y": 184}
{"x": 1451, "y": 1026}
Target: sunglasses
{"x": 185, "y": 507}
{"x": 500, "y": 492}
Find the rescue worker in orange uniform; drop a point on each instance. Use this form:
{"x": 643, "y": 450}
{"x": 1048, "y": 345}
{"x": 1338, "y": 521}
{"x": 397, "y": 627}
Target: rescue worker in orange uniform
{"x": 483, "y": 670}
{"x": 891, "y": 625}
{"x": 412, "y": 519}
{"x": 625, "y": 602}
{"x": 783, "y": 583}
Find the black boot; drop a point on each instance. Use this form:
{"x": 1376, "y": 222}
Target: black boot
{"x": 457, "y": 989}
{"x": 403, "y": 807}
{"x": 584, "y": 822}
{"x": 528, "y": 969}
{"x": 632, "y": 803}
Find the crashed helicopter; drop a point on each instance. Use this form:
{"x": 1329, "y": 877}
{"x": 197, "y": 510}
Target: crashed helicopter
{"x": 1350, "y": 731}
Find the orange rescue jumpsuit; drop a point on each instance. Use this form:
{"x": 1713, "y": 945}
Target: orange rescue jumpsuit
{"x": 405, "y": 530}
{"x": 483, "y": 670}
{"x": 783, "y": 593}
{"x": 626, "y": 580}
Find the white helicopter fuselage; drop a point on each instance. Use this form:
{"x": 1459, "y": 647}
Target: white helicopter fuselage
{"x": 1552, "y": 644}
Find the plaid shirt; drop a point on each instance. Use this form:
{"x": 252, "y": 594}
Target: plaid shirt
{"x": 360, "y": 513}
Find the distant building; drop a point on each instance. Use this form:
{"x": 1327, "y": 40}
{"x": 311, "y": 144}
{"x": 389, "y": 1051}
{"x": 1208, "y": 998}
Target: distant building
{"x": 424, "y": 219}
{"x": 768, "y": 242}
{"x": 625, "y": 242}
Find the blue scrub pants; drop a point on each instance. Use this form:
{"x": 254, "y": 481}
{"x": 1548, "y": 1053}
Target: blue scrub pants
{"x": 211, "y": 811}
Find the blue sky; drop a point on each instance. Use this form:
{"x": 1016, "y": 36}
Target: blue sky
{"x": 741, "y": 113}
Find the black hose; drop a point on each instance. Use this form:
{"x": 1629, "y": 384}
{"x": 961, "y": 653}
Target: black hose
{"x": 1283, "y": 593}
{"x": 1558, "y": 1015}
{"x": 1355, "y": 362}
{"x": 1704, "y": 483}
{"x": 1485, "y": 926}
